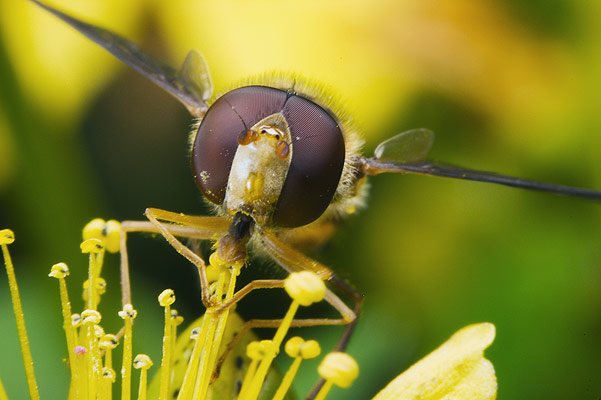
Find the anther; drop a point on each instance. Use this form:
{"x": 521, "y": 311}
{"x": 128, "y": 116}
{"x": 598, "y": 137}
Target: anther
{"x": 128, "y": 312}
{"x": 142, "y": 361}
{"x": 297, "y": 347}
{"x": 94, "y": 229}
{"x": 109, "y": 373}
{"x": 260, "y": 350}
{"x": 76, "y": 320}
{"x": 112, "y": 235}
{"x": 109, "y": 341}
{"x": 339, "y": 368}
{"x": 59, "y": 271}
{"x": 91, "y": 246}
{"x": 98, "y": 331}
{"x": 176, "y": 319}
{"x": 108, "y": 232}
{"x": 7, "y": 236}
{"x": 305, "y": 287}
{"x": 91, "y": 317}
{"x": 166, "y": 298}
{"x": 194, "y": 333}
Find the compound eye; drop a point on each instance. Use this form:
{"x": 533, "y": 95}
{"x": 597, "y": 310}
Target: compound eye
{"x": 225, "y": 124}
{"x": 318, "y": 154}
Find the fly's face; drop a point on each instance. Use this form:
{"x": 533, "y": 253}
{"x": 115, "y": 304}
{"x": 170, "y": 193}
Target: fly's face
{"x": 271, "y": 153}
{"x": 259, "y": 168}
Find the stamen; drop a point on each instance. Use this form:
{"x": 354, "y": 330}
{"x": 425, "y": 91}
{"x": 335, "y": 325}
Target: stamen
{"x": 107, "y": 344}
{"x": 91, "y": 318}
{"x": 93, "y": 229}
{"x": 108, "y": 232}
{"x": 76, "y": 320}
{"x": 338, "y": 369}
{"x": 128, "y": 314}
{"x": 215, "y": 330}
{"x": 215, "y": 267}
{"x": 100, "y": 288}
{"x": 80, "y": 372}
{"x": 186, "y": 388}
{"x": 166, "y": 298}
{"x": 176, "y": 320}
{"x": 113, "y": 236}
{"x": 298, "y": 349}
{"x": 143, "y": 362}
{"x": 89, "y": 347}
{"x": 94, "y": 247}
{"x": 98, "y": 333}
{"x": 106, "y": 382}
{"x": 257, "y": 352}
{"x": 60, "y": 271}
{"x": 253, "y": 351}
{"x": 7, "y": 237}
{"x": 305, "y": 288}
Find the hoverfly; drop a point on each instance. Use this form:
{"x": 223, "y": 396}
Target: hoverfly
{"x": 274, "y": 159}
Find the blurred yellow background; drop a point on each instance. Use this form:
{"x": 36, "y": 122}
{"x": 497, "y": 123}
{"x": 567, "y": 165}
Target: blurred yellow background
{"x": 508, "y": 86}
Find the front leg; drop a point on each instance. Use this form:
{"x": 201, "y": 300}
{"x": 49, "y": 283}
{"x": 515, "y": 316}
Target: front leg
{"x": 294, "y": 261}
{"x": 175, "y": 224}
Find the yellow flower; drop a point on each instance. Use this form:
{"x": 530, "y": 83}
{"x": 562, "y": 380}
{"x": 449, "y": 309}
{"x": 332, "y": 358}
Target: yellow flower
{"x": 456, "y": 370}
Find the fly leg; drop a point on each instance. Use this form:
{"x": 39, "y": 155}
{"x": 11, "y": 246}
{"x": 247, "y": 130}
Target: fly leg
{"x": 348, "y": 317}
{"x": 175, "y": 225}
{"x": 292, "y": 260}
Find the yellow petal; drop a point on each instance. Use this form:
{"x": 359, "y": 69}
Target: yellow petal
{"x": 456, "y": 370}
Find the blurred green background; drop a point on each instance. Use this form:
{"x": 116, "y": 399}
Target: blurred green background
{"x": 508, "y": 86}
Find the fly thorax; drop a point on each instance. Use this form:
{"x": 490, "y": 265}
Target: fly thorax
{"x": 259, "y": 168}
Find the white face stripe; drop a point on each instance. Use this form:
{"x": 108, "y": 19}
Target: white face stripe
{"x": 273, "y": 131}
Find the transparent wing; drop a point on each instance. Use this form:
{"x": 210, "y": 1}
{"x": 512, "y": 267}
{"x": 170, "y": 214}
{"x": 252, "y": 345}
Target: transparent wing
{"x": 406, "y": 152}
{"x": 406, "y": 147}
{"x": 195, "y": 75}
{"x": 190, "y": 85}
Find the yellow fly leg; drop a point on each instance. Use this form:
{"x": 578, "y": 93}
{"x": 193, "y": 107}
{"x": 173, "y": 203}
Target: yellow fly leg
{"x": 219, "y": 298}
{"x": 170, "y": 225}
{"x": 347, "y": 317}
{"x": 346, "y": 313}
{"x": 179, "y": 225}
{"x": 294, "y": 261}
{"x": 268, "y": 323}
{"x": 154, "y": 215}
{"x": 310, "y": 238}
